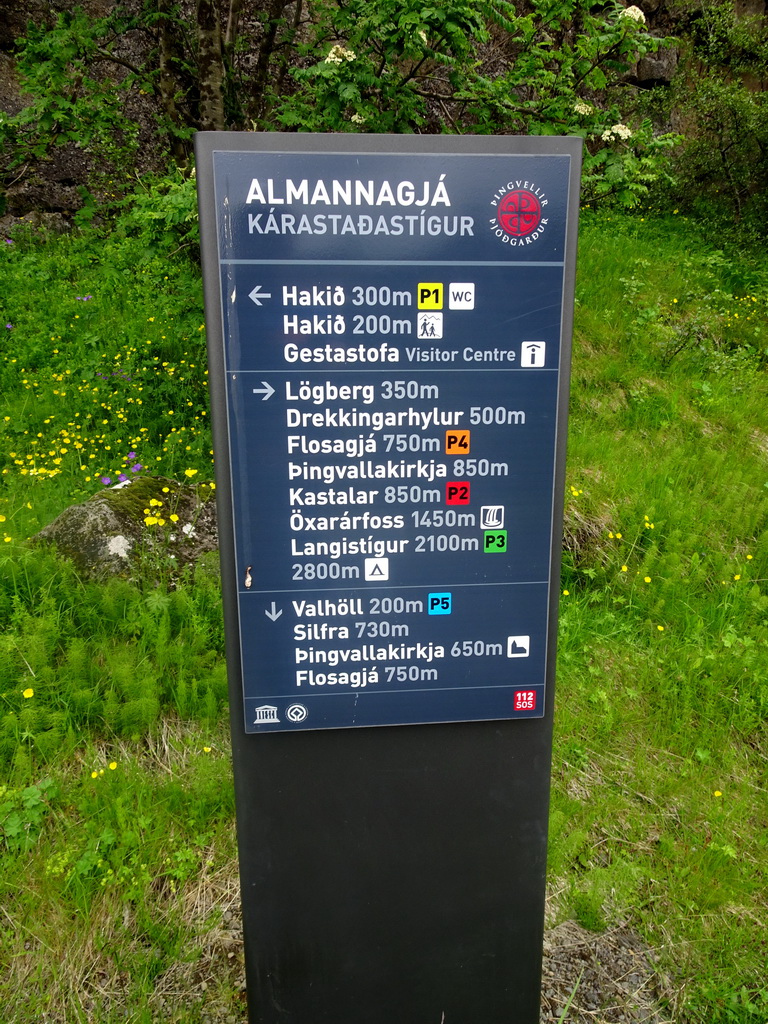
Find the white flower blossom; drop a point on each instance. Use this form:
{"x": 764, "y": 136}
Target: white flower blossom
{"x": 338, "y": 54}
{"x": 582, "y": 108}
{"x": 634, "y": 14}
{"x": 358, "y": 119}
{"x": 188, "y": 530}
{"x": 616, "y": 131}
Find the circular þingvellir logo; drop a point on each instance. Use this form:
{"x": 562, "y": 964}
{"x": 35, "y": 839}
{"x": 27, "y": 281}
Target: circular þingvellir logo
{"x": 519, "y": 212}
{"x": 519, "y": 216}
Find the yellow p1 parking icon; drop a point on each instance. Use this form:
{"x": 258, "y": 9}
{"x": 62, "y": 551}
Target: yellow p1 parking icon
{"x": 430, "y": 296}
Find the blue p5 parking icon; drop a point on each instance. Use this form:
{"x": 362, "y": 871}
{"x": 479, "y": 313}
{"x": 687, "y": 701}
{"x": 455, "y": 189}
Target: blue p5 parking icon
{"x": 439, "y": 604}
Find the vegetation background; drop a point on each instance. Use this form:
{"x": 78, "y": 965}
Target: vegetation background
{"x": 116, "y": 818}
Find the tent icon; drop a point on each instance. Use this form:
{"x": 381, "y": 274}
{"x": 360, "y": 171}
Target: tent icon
{"x": 376, "y": 569}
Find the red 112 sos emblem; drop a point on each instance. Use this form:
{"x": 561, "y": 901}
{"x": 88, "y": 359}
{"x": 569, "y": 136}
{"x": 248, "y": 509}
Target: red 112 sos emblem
{"x": 524, "y": 700}
{"x": 519, "y": 212}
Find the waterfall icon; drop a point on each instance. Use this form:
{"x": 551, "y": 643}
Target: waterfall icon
{"x": 491, "y": 517}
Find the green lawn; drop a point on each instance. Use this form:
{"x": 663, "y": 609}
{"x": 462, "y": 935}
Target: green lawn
{"x": 116, "y": 813}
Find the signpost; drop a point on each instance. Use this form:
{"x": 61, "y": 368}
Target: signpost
{"x": 389, "y": 337}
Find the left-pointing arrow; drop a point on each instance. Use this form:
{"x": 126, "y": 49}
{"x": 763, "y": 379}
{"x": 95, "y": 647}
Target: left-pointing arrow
{"x": 257, "y": 295}
{"x": 267, "y": 391}
{"x": 274, "y": 612}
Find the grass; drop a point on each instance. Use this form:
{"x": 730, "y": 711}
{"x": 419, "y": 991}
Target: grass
{"x": 116, "y": 881}
{"x": 116, "y": 896}
{"x": 660, "y": 770}
{"x": 103, "y": 373}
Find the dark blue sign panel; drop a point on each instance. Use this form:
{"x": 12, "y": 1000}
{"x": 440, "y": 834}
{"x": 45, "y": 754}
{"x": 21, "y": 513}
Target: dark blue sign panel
{"x": 392, "y": 329}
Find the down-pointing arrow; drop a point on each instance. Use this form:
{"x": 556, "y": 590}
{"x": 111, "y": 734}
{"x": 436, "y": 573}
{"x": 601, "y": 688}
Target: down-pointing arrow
{"x": 256, "y": 295}
{"x": 274, "y": 612}
{"x": 267, "y": 391}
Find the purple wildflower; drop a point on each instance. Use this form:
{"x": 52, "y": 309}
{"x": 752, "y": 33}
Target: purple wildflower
{"x": 136, "y": 468}
{"x": 9, "y": 326}
{"x": 9, "y": 241}
{"x": 122, "y": 478}
{"x": 131, "y": 455}
{"x": 105, "y": 480}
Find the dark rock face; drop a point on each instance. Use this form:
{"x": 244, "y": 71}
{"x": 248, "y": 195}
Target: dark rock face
{"x": 46, "y": 192}
{"x": 108, "y": 534}
{"x": 657, "y": 68}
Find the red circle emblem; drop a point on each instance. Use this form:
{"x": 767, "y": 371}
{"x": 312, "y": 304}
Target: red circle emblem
{"x": 519, "y": 212}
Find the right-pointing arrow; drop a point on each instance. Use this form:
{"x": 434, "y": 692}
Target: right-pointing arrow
{"x": 267, "y": 391}
{"x": 274, "y": 612}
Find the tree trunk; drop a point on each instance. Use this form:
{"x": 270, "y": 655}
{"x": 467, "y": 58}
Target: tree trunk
{"x": 274, "y": 20}
{"x": 211, "y": 64}
{"x": 230, "y": 34}
{"x": 167, "y": 81}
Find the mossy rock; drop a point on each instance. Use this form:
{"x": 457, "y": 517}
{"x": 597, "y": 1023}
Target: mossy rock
{"x": 108, "y": 534}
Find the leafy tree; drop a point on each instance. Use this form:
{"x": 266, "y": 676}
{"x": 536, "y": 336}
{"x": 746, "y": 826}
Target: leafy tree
{"x": 479, "y": 66}
{"x": 70, "y": 101}
{"x": 487, "y": 67}
{"x": 721, "y": 95}
{"x": 81, "y": 74}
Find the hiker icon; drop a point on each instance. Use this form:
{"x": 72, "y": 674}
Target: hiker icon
{"x": 430, "y": 326}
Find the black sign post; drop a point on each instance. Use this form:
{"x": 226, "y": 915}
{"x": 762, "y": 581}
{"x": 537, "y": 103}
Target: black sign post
{"x": 389, "y": 327}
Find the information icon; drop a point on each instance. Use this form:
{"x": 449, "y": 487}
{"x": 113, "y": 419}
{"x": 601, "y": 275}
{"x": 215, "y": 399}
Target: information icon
{"x": 533, "y": 353}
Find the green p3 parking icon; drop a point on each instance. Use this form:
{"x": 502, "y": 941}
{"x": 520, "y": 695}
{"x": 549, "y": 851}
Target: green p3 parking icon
{"x": 494, "y": 541}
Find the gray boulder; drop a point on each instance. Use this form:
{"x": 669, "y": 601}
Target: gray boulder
{"x": 109, "y": 534}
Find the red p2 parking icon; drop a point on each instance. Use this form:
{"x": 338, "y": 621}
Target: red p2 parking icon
{"x": 457, "y": 492}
